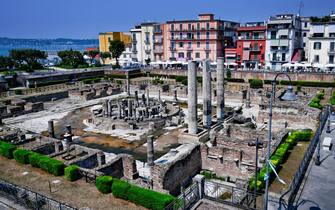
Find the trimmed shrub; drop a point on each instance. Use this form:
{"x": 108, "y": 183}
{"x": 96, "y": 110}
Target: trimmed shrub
{"x": 120, "y": 189}
{"x": 104, "y": 184}
{"x": 22, "y": 156}
{"x": 34, "y": 159}
{"x": 256, "y": 83}
{"x": 7, "y": 149}
{"x": 259, "y": 184}
{"x": 237, "y": 80}
{"x": 72, "y": 173}
{"x": 52, "y": 166}
{"x": 148, "y": 198}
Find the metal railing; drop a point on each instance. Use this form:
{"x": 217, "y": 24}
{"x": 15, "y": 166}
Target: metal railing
{"x": 298, "y": 177}
{"x": 233, "y": 196}
{"x": 186, "y": 199}
{"x": 30, "y": 199}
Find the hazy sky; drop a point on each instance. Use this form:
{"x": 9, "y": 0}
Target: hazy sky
{"x": 85, "y": 19}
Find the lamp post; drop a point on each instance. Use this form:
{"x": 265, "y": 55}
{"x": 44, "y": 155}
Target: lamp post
{"x": 288, "y": 96}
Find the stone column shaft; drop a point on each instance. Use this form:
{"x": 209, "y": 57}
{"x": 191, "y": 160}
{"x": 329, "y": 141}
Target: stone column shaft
{"x": 128, "y": 84}
{"x": 150, "y": 150}
{"x": 192, "y": 98}
{"x": 207, "y": 94}
{"x": 148, "y": 100}
{"x": 130, "y": 108}
{"x": 220, "y": 89}
{"x": 51, "y": 129}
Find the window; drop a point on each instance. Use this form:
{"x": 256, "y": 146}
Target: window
{"x": 198, "y": 35}
{"x": 181, "y": 55}
{"x": 273, "y": 35}
{"x": 207, "y": 55}
{"x": 189, "y": 55}
{"x": 274, "y": 56}
{"x": 317, "y": 46}
{"x": 238, "y": 57}
{"x": 147, "y": 35}
{"x": 304, "y": 44}
{"x": 305, "y": 24}
{"x": 189, "y": 35}
{"x": 316, "y": 58}
{"x": 198, "y": 44}
{"x": 180, "y": 35}
{"x": 207, "y": 25}
{"x": 207, "y": 35}
{"x": 181, "y": 44}
{"x": 283, "y": 57}
{"x": 189, "y": 26}
{"x": 198, "y": 26}
{"x": 172, "y": 27}
{"x": 332, "y": 35}
{"x": 331, "y": 59}
{"x": 180, "y": 26}
{"x": 332, "y": 47}
{"x": 172, "y": 55}
{"x": 207, "y": 45}
{"x": 172, "y": 45}
{"x": 189, "y": 44}
{"x": 109, "y": 39}
{"x": 172, "y": 35}
{"x": 304, "y": 34}
{"x": 134, "y": 37}
{"x": 197, "y": 55}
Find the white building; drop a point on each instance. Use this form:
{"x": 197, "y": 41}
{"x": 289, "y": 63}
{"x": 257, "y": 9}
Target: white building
{"x": 283, "y": 41}
{"x": 322, "y": 43}
{"x": 143, "y": 43}
{"x": 305, "y": 28}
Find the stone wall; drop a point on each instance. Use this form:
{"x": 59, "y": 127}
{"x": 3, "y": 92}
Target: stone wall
{"x": 171, "y": 177}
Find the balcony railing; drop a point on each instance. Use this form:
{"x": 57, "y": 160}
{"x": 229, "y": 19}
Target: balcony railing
{"x": 331, "y": 51}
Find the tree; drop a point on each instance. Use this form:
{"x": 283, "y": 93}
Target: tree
{"x": 27, "y": 58}
{"x": 6, "y": 62}
{"x": 104, "y": 56}
{"x": 93, "y": 53}
{"x": 116, "y": 48}
{"x": 71, "y": 59}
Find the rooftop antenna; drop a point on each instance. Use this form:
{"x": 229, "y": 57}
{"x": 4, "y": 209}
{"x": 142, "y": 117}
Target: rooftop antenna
{"x": 301, "y": 5}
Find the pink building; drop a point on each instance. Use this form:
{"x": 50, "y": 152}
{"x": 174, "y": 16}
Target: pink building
{"x": 200, "y": 39}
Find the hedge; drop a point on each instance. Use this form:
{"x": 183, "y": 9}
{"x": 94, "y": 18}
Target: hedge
{"x": 279, "y": 156}
{"x": 316, "y": 101}
{"x": 237, "y": 80}
{"x": 120, "y": 189}
{"x": 72, "y": 173}
{"x": 7, "y": 149}
{"x": 256, "y": 83}
{"x": 148, "y": 198}
{"x": 104, "y": 184}
{"x": 47, "y": 164}
{"x": 22, "y": 156}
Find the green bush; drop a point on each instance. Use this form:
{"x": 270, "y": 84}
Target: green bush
{"x": 148, "y": 198}
{"x": 72, "y": 173}
{"x": 47, "y": 164}
{"x": 104, "y": 184}
{"x": 228, "y": 73}
{"x": 120, "y": 189}
{"x": 237, "y": 80}
{"x": 22, "y": 156}
{"x": 256, "y": 83}
{"x": 7, "y": 149}
{"x": 18, "y": 92}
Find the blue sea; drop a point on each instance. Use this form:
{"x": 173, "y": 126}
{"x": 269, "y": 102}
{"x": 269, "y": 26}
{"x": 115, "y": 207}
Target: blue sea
{"x": 51, "y": 46}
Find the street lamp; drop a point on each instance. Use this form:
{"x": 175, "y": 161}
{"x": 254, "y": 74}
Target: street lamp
{"x": 288, "y": 96}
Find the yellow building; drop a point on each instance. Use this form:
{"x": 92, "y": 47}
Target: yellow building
{"x": 106, "y": 37}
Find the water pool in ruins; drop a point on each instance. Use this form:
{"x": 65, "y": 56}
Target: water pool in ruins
{"x": 166, "y": 140}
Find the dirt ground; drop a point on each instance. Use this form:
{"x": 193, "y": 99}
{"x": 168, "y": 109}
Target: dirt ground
{"x": 78, "y": 194}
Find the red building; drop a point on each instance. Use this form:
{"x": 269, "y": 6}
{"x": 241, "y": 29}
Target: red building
{"x": 250, "y": 45}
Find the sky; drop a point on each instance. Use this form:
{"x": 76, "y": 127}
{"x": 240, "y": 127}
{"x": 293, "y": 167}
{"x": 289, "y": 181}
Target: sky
{"x": 84, "y": 19}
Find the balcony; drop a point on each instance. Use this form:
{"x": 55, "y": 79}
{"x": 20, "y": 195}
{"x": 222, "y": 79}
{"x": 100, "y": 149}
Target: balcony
{"x": 158, "y": 51}
{"x": 331, "y": 51}
{"x": 189, "y": 49}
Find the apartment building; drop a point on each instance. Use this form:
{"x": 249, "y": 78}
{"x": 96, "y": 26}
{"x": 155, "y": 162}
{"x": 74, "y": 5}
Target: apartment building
{"x": 159, "y": 42}
{"x": 322, "y": 42}
{"x": 283, "y": 41}
{"x": 200, "y": 39}
{"x": 143, "y": 42}
{"x": 250, "y": 45}
{"x": 305, "y": 28}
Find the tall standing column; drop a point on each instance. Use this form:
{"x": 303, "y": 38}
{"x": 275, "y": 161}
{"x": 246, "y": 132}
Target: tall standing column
{"x": 128, "y": 84}
{"x": 108, "y": 108}
{"x": 148, "y": 100}
{"x": 150, "y": 150}
{"x": 192, "y": 98}
{"x": 159, "y": 95}
{"x": 220, "y": 89}
{"x": 51, "y": 129}
{"x": 119, "y": 110}
{"x": 130, "y": 108}
{"x": 207, "y": 94}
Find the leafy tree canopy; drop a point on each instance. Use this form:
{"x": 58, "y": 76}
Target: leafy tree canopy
{"x": 116, "y": 48}
{"x": 71, "y": 59}
{"x": 27, "y": 59}
{"x": 6, "y": 62}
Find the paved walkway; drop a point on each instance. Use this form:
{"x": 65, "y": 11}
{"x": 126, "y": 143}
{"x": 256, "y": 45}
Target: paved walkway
{"x": 318, "y": 191}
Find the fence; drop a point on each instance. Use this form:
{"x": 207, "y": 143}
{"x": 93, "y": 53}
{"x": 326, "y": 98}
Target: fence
{"x": 295, "y": 184}
{"x": 186, "y": 199}
{"x": 233, "y": 196}
{"x": 30, "y": 199}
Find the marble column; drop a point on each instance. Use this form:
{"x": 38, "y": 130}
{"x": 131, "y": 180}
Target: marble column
{"x": 148, "y": 100}
{"x": 207, "y": 94}
{"x": 128, "y": 84}
{"x": 51, "y": 129}
{"x": 220, "y": 89}
{"x": 150, "y": 150}
{"x": 192, "y": 98}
